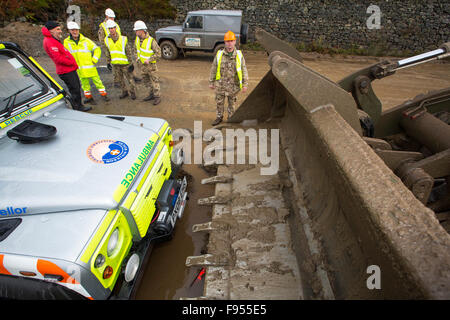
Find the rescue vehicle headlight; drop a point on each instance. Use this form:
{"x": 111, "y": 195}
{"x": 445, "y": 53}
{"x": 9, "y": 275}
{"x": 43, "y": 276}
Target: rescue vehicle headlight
{"x": 113, "y": 241}
{"x": 178, "y": 157}
{"x": 99, "y": 261}
{"x": 132, "y": 267}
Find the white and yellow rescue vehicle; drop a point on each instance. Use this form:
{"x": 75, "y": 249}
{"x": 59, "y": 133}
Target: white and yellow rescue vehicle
{"x": 82, "y": 196}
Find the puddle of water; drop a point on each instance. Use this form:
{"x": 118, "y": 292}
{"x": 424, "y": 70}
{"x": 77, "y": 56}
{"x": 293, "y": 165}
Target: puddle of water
{"x": 166, "y": 276}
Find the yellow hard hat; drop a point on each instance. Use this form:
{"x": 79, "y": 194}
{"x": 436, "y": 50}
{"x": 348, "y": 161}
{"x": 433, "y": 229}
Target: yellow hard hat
{"x": 229, "y": 36}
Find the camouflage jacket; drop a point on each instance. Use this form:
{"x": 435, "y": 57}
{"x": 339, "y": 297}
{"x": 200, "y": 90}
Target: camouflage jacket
{"x": 128, "y": 50}
{"x": 155, "y": 47}
{"x": 102, "y": 34}
{"x": 229, "y": 81}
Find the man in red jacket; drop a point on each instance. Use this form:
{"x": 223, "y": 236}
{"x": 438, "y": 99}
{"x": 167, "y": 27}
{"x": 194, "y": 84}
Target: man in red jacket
{"x": 66, "y": 66}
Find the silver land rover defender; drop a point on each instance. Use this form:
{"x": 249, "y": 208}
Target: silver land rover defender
{"x": 202, "y": 31}
{"x": 82, "y": 196}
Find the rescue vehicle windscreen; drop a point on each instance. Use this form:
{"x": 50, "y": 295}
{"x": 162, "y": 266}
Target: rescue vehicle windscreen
{"x": 18, "y": 85}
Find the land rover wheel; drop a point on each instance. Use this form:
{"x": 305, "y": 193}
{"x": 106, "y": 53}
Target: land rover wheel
{"x": 218, "y": 47}
{"x": 168, "y": 50}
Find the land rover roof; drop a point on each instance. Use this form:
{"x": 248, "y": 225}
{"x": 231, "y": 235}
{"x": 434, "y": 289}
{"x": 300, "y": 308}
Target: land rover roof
{"x": 218, "y": 12}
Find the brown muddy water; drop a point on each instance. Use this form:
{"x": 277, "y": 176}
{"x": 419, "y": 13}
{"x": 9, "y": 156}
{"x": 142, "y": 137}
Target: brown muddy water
{"x": 166, "y": 277}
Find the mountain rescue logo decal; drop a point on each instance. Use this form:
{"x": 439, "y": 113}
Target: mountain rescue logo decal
{"x": 107, "y": 151}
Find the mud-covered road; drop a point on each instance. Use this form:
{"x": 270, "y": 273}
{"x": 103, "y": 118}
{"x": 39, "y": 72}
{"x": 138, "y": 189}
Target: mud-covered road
{"x": 185, "y": 98}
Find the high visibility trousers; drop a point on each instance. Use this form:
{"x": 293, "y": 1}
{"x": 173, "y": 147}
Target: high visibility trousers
{"x": 86, "y": 86}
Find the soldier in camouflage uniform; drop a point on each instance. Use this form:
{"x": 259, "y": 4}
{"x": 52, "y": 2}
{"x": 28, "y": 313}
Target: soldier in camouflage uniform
{"x": 103, "y": 32}
{"x": 148, "y": 52}
{"x": 228, "y": 76}
{"x": 120, "y": 55}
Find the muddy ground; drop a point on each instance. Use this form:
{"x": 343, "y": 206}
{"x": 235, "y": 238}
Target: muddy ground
{"x": 24, "y": 34}
{"x": 186, "y": 97}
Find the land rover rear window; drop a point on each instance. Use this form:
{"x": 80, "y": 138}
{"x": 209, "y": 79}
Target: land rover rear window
{"x": 223, "y": 23}
{"x": 18, "y": 84}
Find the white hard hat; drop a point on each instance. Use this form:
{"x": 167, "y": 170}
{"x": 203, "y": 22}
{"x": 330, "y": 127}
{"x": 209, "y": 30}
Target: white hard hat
{"x": 139, "y": 25}
{"x": 109, "y": 13}
{"x": 110, "y": 24}
{"x": 72, "y": 25}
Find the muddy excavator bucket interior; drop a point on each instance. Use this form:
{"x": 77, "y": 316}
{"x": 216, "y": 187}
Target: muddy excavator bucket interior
{"x": 361, "y": 190}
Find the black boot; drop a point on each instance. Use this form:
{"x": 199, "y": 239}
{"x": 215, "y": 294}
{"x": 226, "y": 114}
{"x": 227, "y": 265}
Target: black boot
{"x": 156, "y": 101}
{"x": 217, "y": 121}
{"x": 133, "y": 95}
{"x": 90, "y": 100}
{"x": 84, "y": 109}
{"x": 149, "y": 97}
{"x": 124, "y": 94}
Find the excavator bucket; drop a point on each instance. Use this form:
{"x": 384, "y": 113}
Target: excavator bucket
{"x": 359, "y": 207}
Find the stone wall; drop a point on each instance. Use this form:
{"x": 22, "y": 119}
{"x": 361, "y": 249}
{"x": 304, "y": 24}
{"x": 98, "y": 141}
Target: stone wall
{"x": 408, "y": 25}
{"x": 404, "y": 24}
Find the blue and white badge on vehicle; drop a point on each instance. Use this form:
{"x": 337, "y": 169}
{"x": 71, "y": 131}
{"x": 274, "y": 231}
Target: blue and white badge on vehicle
{"x": 192, "y": 42}
{"x": 107, "y": 151}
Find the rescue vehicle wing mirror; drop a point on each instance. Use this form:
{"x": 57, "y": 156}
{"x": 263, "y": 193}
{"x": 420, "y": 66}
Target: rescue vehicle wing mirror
{"x": 31, "y": 132}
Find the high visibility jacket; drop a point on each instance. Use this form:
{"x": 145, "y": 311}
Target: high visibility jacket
{"x": 144, "y": 49}
{"x": 117, "y": 50}
{"x": 106, "y": 30}
{"x": 238, "y": 65}
{"x": 86, "y": 53}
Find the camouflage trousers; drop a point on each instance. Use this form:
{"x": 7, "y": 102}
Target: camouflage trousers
{"x": 124, "y": 77}
{"x": 220, "y": 101}
{"x": 116, "y": 77}
{"x": 151, "y": 79}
